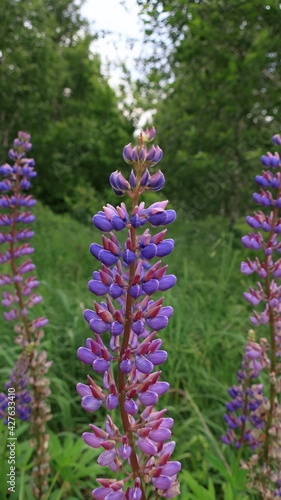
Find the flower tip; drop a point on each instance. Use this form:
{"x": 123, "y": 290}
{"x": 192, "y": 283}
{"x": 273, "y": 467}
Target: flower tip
{"x": 276, "y": 139}
{"x": 149, "y": 134}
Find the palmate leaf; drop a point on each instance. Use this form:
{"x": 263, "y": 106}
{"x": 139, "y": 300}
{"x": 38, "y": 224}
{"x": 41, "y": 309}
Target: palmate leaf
{"x": 200, "y": 491}
{"x": 73, "y": 459}
{"x": 235, "y": 482}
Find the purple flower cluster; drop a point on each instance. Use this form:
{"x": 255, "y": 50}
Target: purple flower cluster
{"x": 243, "y": 415}
{"x": 118, "y": 218}
{"x": 16, "y": 180}
{"x": 270, "y": 224}
{"x": 19, "y": 295}
{"x": 254, "y": 419}
{"x": 127, "y": 279}
{"x": 17, "y": 393}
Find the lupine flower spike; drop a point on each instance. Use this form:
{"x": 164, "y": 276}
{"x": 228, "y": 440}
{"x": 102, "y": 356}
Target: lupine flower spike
{"x": 18, "y": 297}
{"x": 17, "y": 383}
{"x": 253, "y": 417}
{"x": 138, "y": 446}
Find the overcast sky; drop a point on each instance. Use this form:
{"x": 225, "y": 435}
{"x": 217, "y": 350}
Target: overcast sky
{"x": 123, "y": 26}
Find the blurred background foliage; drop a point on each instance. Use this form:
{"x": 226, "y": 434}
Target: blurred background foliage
{"x": 51, "y": 85}
{"x": 211, "y": 76}
{"x": 215, "y": 77}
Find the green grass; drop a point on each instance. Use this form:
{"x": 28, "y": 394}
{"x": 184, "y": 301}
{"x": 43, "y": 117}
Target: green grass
{"x": 204, "y": 339}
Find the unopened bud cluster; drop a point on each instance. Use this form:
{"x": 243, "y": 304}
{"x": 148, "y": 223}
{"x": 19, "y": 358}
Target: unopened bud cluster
{"x": 125, "y": 348}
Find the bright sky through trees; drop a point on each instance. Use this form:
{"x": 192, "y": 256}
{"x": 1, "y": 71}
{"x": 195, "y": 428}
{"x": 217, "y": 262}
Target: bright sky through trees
{"x": 122, "y": 40}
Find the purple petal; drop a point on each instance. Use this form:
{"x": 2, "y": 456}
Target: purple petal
{"x": 102, "y": 223}
{"x": 167, "y": 311}
{"x": 251, "y": 298}
{"x": 86, "y": 355}
{"x": 151, "y": 286}
{"x": 160, "y": 387}
{"x": 144, "y": 365}
{"x": 167, "y": 282}
{"x": 83, "y": 390}
{"x": 101, "y": 493}
{"x": 89, "y": 314}
{"x": 117, "y": 223}
{"x": 98, "y": 287}
{"x": 91, "y": 404}
{"x": 95, "y": 249}
{"x": 100, "y": 365}
{"x": 165, "y": 247}
{"x": 149, "y": 251}
{"x": 92, "y": 440}
{"x": 111, "y": 402}
{"x": 116, "y": 328}
{"x": 171, "y": 468}
{"x": 107, "y": 258}
{"x": 158, "y": 322}
{"x": 131, "y": 406}
{"x": 159, "y": 435}
{"x": 158, "y": 357}
{"x": 126, "y": 366}
{"x": 158, "y": 219}
{"x": 135, "y": 291}
{"x": 115, "y": 291}
{"x": 135, "y": 494}
{"x": 106, "y": 457}
{"x": 138, "y": 327}
{"x": 116, "y": 495}
{"x": 129, "y": 257}
{"x": 168, "y": 423}
{"x": 147, "y": 446}
{"x": 148, "y": 398}
{"x": 162, "y": 482}
{"x": 125, "y": 451}
{"x": 98, "y": 326}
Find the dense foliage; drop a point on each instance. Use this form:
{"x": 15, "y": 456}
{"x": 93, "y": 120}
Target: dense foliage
{"x": 204, "y": 339}
{"x": 215, "y": 72}
{"x": 51, "y": 85}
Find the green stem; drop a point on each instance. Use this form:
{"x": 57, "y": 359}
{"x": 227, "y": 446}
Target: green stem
{"x": 52, "y": 485}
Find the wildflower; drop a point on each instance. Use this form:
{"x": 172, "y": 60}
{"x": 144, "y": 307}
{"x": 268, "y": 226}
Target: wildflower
{"x": 253, "y": 418}
{"x": 19, "y": 297}
{"x": 128, "y": 280}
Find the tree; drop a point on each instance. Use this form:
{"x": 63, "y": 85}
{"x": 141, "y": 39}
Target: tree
{"x": 52, "y": 87}
{"x": 218, "y": 75}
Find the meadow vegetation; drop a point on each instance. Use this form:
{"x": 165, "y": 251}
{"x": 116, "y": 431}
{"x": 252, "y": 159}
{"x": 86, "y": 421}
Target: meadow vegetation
{"x": 205, "y": 339}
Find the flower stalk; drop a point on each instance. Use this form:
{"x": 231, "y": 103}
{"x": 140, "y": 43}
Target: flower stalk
{"x": 138, "y": 445}
{"x": 260, "y": 421}
{"x": 19, "y": 297}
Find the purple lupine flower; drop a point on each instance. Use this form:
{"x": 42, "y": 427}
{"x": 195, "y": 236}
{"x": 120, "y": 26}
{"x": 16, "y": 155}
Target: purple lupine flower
{"x": 243, "y": 415}
{"x": 16, "y": 179}
{"x": 18, "y": 297}
{"x": 127, "y": 281}
{"x": 253, "y": 419}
